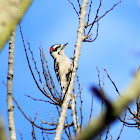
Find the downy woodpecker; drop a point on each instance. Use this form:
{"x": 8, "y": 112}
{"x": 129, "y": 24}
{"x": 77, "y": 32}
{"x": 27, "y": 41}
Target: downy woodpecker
{"x": 62, "y": 65}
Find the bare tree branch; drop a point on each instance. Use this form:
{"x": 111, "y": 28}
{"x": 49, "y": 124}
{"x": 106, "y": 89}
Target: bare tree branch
{"x": 111, "y": 81}
{"x": 74, "y": 8}
{"x": 75, "y": 118}
{"x": 42, "y": 128}
{"x": 89, "y": 11}
{"x": 96, "y": 20}
{"x": 109, "y": 116}
{"x": 21, "y": 137}
{"x": 91, "y": 108}
{"x": 40, "y": 100}
{"x": 43, "y": 92}
{"x": 10, "y": 105}
{"x": 109, "y": 10}
{"x": 122, "y": 126}
{"x": 81, "y": 101}
{"x": 80, "y": 38}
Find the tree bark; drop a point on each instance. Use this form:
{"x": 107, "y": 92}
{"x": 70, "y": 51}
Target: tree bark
{"x": 11, "y": 13}
{"x": 80, "y": 38}
{"x": 10, "y": 106}
{"x": 74, "y": 115}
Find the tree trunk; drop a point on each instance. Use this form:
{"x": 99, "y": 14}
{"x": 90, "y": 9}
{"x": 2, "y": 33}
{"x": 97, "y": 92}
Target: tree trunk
{"x": 10, "y": 106}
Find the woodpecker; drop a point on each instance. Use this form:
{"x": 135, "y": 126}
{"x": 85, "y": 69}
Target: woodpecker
{"x": 62, "y": 65}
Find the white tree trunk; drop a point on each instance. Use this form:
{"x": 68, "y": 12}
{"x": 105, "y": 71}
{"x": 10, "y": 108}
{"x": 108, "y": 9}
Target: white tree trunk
{"x": 80, "y": 38}
{"x": 10, "y": 87}
{"x": 75, "y": 118}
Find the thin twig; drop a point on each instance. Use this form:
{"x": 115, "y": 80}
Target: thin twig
{"x": 122, "y": 126}
{"x": 96, "y": 19}
{"x": 79, "y": 5}
{"x": 111, "y": 81}
{"x": 89, "y": 11}
{"x": 69, "y": 135}
{"x": 42, "y": 131}
{"x": 33, "y": 130}
{"x": 107, "y": 132}
{"x": 109, "y": 10}
{"x": 92, "y": 40}
{"x": 29, "y": 63}
{"x": 20, "y": 135}
{"x": 126, "y": 123}
{"x": 29, "y": 119}
{"x": 74, "y": 8}
{"x": 34, "y": 61}
{"x": 91, "y": 109}
{"x": 39, "y": 99}
{"x": 117, "y": 89}
{"x": 47, "y": 76}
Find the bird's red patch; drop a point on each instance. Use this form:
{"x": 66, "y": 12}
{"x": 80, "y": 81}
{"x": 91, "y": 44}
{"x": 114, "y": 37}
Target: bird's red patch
{"x": 51, "y": 49}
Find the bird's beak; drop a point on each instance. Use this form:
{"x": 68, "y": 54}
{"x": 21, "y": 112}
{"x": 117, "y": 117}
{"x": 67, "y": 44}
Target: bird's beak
{"x": 65, "y": 44}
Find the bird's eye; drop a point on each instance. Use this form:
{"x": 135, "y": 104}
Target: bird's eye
{"x": 58, "y": 53}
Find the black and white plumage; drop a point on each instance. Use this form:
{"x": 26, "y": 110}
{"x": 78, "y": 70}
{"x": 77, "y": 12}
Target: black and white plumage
{"x": 62, "y": 65}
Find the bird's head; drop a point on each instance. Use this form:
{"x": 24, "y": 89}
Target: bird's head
{"x": 57, "y": 50}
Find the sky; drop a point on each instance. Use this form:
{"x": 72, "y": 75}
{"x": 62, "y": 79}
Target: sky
{"x": 55, "y": 22}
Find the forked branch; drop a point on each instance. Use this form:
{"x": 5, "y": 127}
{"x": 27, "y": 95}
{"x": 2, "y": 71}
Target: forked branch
{"x": 75, "y": 66}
